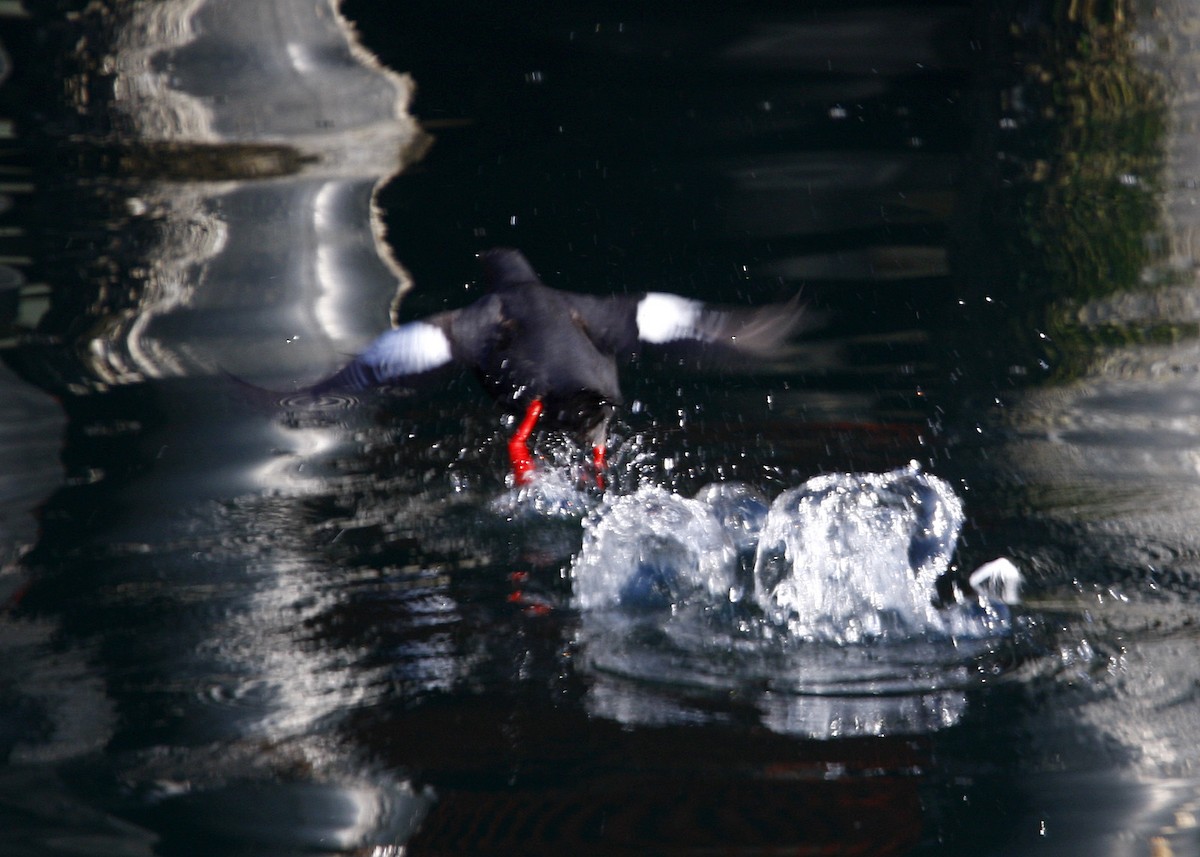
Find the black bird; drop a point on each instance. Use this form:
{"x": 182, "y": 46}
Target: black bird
{"x": 551, "y": 356}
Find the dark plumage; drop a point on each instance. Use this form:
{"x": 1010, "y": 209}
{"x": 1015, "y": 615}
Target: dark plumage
{"x": 552, "y": 355}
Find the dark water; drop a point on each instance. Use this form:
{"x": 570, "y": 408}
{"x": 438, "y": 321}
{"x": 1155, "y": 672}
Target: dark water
{"x": 232, "y": 626}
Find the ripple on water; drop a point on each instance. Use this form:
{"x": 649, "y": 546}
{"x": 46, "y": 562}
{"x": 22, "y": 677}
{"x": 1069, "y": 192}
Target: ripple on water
{"x": 328, "y": 401}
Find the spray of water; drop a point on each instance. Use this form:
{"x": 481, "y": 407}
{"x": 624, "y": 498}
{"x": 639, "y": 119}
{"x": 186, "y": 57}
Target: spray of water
{"x": 819, "y": 607}
{"x": 844, "y": 558}
{"x": 653, "y": 549}
{"x": 854, "y": 557}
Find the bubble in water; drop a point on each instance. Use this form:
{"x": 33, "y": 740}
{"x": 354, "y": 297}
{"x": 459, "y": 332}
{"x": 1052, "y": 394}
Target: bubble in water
{"x": 853, "y": 557}
{"x": 652, "y": 550}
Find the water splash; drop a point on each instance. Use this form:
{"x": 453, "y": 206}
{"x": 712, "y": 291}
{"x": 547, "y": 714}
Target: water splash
{"x": 741, "y": 509}
{"x": 818, "y": 609}
{"x": 653, "y": 549}
{"x": 551, "y": 492}
{"x": 848, "y": 558}
{"x": 560, "y": 486}
{"x": 844, "y": 558}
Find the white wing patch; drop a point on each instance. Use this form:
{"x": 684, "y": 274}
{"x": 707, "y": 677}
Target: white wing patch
{"x": 408, "y": 350}
{"x": 665, "y": 318}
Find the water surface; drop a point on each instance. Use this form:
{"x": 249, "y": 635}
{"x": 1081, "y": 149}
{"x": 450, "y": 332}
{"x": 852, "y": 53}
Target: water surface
{"x": 236, "y": 625}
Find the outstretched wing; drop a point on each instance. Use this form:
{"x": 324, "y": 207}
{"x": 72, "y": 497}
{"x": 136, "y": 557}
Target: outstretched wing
{"x": 670, "y": 320}
{"x": 406, "y": 351}
{"x": 624, "y": 325}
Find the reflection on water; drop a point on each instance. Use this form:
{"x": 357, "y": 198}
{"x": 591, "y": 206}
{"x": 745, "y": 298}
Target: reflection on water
{"x": 1112, "y": 455}
{"x": 247, "y": 626}
{"x": 263, "y": 234}
{"x": 237, "y": 223}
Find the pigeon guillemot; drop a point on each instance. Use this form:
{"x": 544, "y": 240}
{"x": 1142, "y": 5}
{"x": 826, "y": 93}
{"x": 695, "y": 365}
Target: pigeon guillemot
{"x": 551, "y": 356}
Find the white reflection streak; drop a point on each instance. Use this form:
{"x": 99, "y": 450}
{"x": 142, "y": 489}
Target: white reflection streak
{"x": 327, "y": 274}
{"x": 306, "y": 681}
{"x": 285, "y": 473}
{"x": 301, "y": 59}
{"x": 286, "y": 678}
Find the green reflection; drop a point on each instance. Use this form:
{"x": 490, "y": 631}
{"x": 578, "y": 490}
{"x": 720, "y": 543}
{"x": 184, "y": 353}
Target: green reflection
{"x": 1089, "y": 202}
{"x": 1069, "y": 176}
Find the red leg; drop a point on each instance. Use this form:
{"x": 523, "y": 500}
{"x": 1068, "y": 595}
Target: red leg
{"x": 599, "y": 463}
{"x": 518, "y": 445}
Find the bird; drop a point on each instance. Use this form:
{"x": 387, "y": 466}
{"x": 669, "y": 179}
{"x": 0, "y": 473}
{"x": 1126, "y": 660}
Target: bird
{"x": 550, "y": 356}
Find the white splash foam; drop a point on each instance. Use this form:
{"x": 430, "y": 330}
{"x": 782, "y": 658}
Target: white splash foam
{"x": 1000, "y": 579}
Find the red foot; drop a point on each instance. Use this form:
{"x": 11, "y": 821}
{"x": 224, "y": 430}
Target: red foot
{"x": 518, "y": 445}
{"x": 599, "y": 463}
